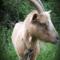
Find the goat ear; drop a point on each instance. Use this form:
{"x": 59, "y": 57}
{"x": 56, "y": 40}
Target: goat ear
{"x": 34, "y": 17}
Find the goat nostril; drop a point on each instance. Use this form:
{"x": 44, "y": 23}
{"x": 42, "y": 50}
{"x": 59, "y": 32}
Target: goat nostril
{"x": 57, "y": 38}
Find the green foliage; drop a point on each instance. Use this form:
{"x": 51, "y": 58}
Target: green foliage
{"x": 7, "y": 51}
{"x": 47, "y": 51}
{"x": 25, "y": 8}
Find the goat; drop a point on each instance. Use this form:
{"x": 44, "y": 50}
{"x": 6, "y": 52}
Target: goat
{"x": 36, "y": 26}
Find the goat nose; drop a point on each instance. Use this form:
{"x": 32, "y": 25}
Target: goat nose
{"x": 57, "y": 38}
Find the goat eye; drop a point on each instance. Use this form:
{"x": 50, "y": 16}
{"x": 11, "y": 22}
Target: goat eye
{"x": 43, "y": 25}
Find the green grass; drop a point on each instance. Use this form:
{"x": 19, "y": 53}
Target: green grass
{"x": 47, "y": 52}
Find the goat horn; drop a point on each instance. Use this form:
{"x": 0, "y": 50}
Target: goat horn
{"x": 38, "y": 5}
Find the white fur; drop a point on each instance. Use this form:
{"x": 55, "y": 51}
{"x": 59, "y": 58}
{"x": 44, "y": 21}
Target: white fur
{"x": 21, "y": 38}
{"x": 50, "y": 24}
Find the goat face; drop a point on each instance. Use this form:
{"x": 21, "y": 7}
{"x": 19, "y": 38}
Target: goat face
{"x": 42, "y": 27}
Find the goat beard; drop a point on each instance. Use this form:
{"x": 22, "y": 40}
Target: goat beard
{"x": 28, "y": 54}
